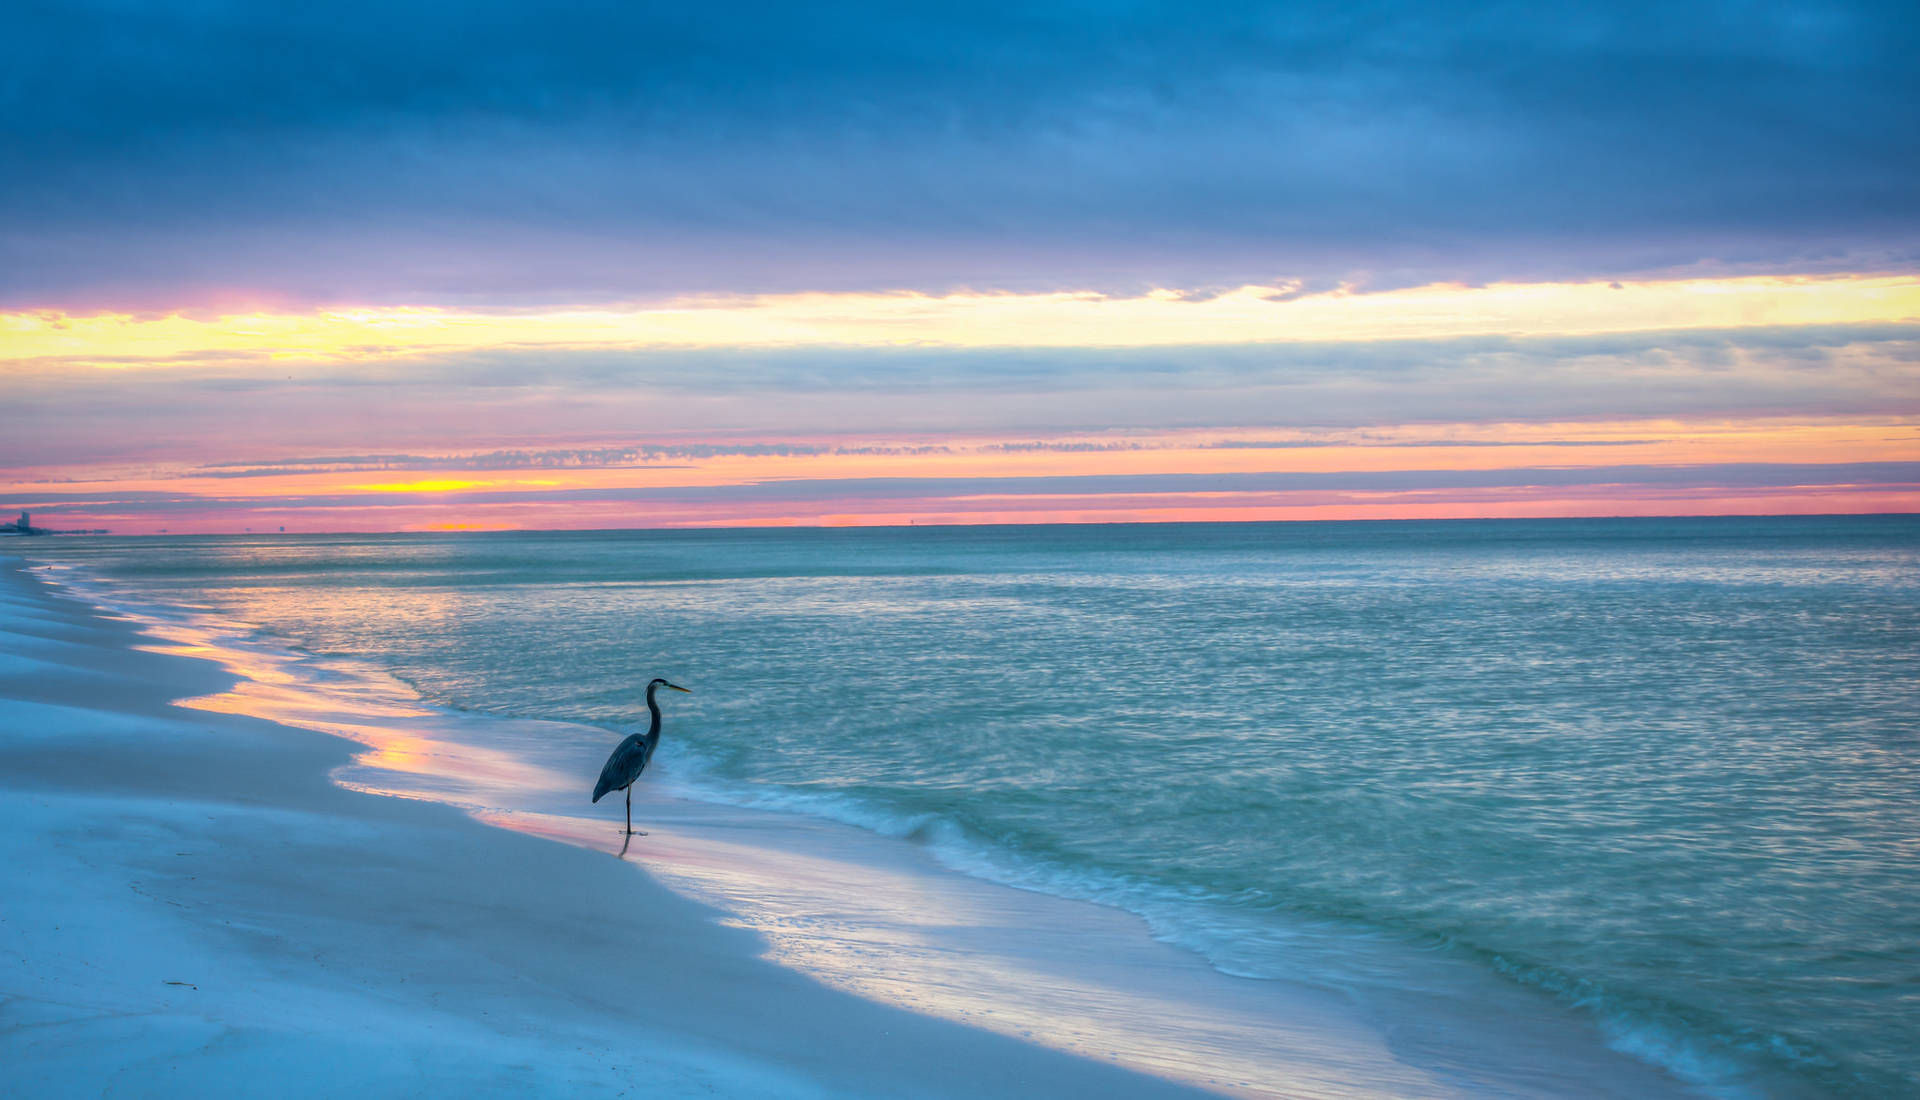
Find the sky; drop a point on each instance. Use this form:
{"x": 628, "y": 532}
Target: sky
{"x": 410, "y": 266}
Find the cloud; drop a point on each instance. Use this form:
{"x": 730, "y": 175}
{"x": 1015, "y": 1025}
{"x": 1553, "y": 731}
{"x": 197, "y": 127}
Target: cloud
{"x": 548, "y": 401}
{"x": 583, "y": 151}
{"x": 657, "y": 456}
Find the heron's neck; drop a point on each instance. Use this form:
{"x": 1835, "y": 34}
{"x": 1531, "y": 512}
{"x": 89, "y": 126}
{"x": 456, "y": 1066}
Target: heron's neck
{"x": 653, "y": 709}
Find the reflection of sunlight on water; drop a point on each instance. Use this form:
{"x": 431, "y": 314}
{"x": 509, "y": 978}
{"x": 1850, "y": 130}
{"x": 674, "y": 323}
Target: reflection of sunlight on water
{"x": 364, "y": 709}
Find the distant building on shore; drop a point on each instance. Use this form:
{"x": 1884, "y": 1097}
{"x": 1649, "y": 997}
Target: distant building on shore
{"x": 24, "y": 526}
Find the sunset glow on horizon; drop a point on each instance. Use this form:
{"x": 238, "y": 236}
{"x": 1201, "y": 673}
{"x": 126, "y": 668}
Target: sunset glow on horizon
{"x": 1429, "y": 472}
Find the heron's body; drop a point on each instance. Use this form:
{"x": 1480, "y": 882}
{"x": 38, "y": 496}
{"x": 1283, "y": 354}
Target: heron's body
{"x": 626, "y": 763}
{"x": 630, "y": 757}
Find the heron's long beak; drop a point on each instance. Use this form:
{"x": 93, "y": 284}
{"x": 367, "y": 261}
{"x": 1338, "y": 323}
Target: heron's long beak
{"x": 677, "y": 687}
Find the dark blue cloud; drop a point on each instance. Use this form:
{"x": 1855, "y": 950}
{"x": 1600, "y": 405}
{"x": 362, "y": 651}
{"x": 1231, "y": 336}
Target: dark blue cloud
{"x": 564, "y": 150}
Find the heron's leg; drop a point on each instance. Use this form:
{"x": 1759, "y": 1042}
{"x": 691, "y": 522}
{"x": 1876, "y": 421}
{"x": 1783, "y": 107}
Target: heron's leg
{"x": 630, "y": 829}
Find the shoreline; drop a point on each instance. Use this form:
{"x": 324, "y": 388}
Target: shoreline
{"x": 807, "y": 894}
{"x": 194, "y": 908}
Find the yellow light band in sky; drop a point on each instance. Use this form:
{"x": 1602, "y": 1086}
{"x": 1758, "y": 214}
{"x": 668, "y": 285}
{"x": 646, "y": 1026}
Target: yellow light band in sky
{"x": 1246, "y": 315}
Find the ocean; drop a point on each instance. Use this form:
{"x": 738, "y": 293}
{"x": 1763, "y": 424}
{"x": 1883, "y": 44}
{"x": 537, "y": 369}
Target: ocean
{"x": 1664, "y": 772}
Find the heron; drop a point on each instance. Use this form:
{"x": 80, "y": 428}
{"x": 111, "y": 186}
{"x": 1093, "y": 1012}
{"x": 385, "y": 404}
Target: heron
{"x": 630, "y": 758}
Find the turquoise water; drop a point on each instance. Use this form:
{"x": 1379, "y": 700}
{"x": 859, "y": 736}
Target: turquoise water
{"x": 1665, "y": 770}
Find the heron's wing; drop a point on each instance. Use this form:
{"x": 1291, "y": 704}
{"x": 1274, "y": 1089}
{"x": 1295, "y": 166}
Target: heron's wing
{"x": 624, "y": 766}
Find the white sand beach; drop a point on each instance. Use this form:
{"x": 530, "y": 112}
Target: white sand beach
{"x": 192, "y": 907}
